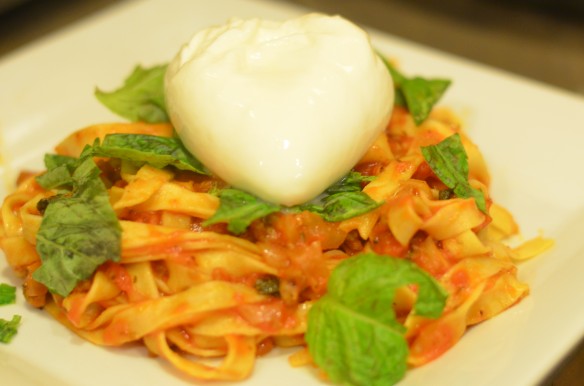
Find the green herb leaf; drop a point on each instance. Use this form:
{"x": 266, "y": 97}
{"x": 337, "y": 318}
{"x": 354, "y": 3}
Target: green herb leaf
{"x": 341, "y": 201}
{"x": 418, "y": 94}
{"x": 53, "y": 161}
{"x": 343, "y": 206}
{"x": 154, "y": 150}
{"x": 78, "y": 233}
{"x": 7, "y": 294}
{"x": 448, "y": 160}
{"x": 268, "y": 285}
{"x": 344, "y": 199}
{"x": 80, "y": 230}
{"x": 59, "y": 177}
{"x": 9, "y": 328}
{"x": 349, "y": 183}
{"x": 353, "y": 334}
{"x": 421, "y": 95}
{"x": 59, "y": 172}
{"x": 239, "y": 209}
{"x": 141, "y": 98}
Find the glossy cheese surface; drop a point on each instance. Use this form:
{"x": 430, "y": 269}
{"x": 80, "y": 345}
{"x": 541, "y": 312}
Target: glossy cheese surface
{"x": 279, "y": 109}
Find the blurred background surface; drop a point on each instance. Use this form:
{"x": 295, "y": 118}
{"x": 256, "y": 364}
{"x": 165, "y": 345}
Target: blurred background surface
{"x": 539, "y": 39}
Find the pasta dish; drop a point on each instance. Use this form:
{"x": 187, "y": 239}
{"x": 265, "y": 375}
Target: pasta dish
{"x": 151, "y": 248}
{"x": 182, "y": 287}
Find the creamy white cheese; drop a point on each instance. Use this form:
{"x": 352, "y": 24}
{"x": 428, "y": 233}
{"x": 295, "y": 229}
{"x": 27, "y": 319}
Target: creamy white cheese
{"x": 281, "y": 110}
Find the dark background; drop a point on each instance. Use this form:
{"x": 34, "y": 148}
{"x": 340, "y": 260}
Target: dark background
{"x": 539, "y": 39}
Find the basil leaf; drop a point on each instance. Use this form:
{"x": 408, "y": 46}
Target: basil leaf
{"x": 341, "y": 201}
{"x": 397, "y": 77}
{"x": 344, "y": 199}
{"x": 154, "y": 150}
{"x": 349, "y": 183}
{"x": 7, "y": 294}
{"x": 353, "y": 349}
{"x": 53, "y": 161}
{"x": 352, "y": 332}
{"x": 9, "y": 328}
{"x": 59, "y": 177}
{"x": 448, "y": 160}
{"x": 59, "y": 172}
{"x": 418, "y": 94}
{"x": 343, "y": 206}
{"x": 78, "y": 232}
{"x": 141, "y": 98}
{"x": 421, "y": 95}
{"x": 239, "y": 209}
{"x": 268, "y": 285}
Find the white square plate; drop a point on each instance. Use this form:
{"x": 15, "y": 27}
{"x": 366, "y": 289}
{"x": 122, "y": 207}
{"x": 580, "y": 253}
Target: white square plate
{"x": 531, "y": 135}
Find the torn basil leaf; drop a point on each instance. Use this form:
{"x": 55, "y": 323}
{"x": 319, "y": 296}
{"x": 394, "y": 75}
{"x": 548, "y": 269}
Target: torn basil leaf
{"x": 350, "y": 183}
{"x": 239, "y": 209}
{"x": 448, "y": 160}
{"x": 59, "y": 172}
{"x": 151, "y": 149}
{"x": 419, "y": 95}
{"x": 7, "y": 294}
{"x": 9, "y": 328}
{"x": 352, "y": 332}
{"x": 341, "y": 201}
{"x": 342, "y": 206}
{"x": 78, "y": 232}
{"x": 141, "y": 97}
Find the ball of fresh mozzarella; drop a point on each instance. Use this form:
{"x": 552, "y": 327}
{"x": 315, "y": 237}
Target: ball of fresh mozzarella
{"x": 279, "y": 109}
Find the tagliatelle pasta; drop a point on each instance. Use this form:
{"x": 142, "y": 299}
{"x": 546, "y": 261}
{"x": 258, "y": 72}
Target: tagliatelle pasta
{"x": 189, "y": 292}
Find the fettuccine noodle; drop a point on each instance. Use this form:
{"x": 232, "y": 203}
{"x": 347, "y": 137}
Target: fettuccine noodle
{"x": 187, "y": 292}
